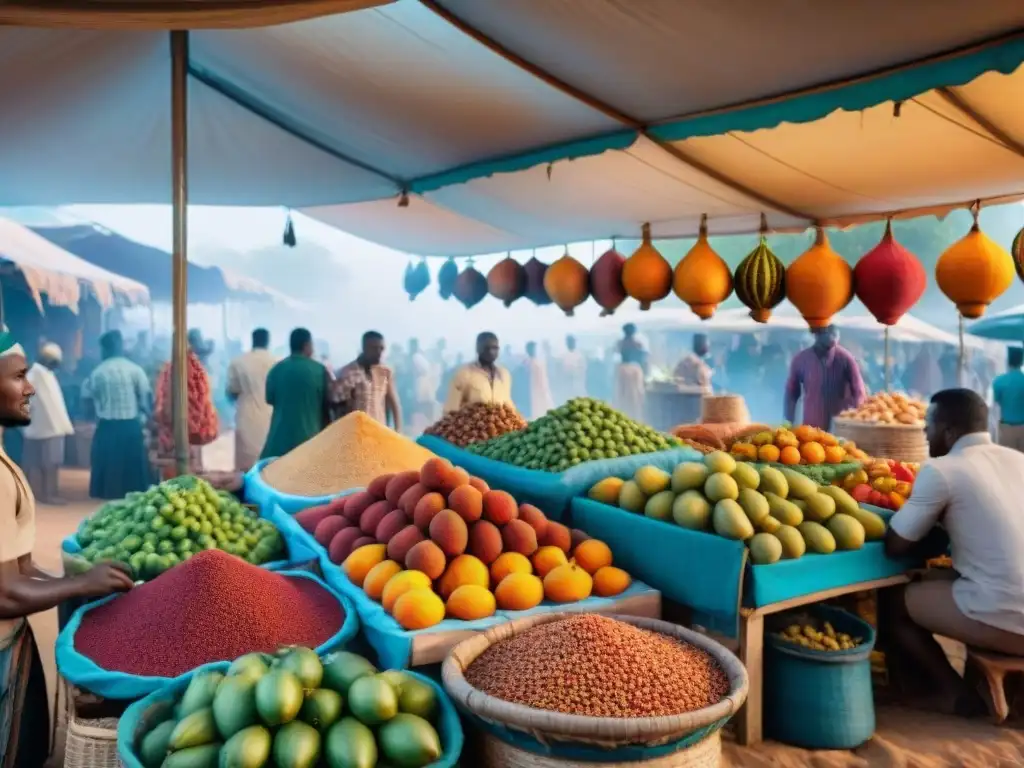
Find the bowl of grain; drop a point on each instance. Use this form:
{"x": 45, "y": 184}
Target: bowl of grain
{"x": 582, "y": 686}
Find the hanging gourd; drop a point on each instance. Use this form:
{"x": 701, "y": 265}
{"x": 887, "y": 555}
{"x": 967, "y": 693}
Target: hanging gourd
{"x": 889, "y": 279}
{"x": 446, "y": 277}
{"x": 507, "y": 281}
{"x": 1017, "y": 252}
{"x": 646, "y": 276}
{"x": 535, "y": 271}
{"x": 470, "y": 287}
{"x": 702, "y": 279}
{"x": 760, "y": 279}
{"x": 417, "y": 278}
{"x": 606, "y": 281}
{"x": 567, "y": 282}
{"x": 974, "y": 271}
{"x": 819, "y": 282}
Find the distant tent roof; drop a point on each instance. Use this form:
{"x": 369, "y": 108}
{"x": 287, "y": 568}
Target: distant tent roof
{"x": 51, "y": 271}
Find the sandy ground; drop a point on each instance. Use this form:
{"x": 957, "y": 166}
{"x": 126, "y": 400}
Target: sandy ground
{"x": 904, "y": 738}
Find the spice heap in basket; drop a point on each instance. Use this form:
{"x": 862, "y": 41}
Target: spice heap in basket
{"x": 779, "y": 513}
{"x": 347, "y": 454}
{"x": 154, "y": 530}
{"x": 888, "y": 408}
{"x": 582, "y": 430}
{"x": 438, "y": 542}
{"x": 294, "y": 709}
{"x": 883, "y": 482}
{"x": 213, "y": 608}
{"x": 477, "y": 423}
{"x": 599, "y": 667}
{"x": 818, "y": 638}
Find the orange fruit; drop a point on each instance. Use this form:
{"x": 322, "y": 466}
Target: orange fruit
{"x": 768, "y": 453}
{"x": 510, "y": 562}
{"x": 463, "y": 570}
{"x": 834, "y": 454}
{"x": 805, "y": 433}
{"x": 378, "y": 577}
{"x": 785, "y": 438}
{"x": 744, "y": 451}
{"x": 592, "y": 555}
{"x": 813, "y": 453}
{"x": 419, "y": 609}
{"x": 359, "y": 563}
{"x": 519, "y": 592}
{"x": 828, "y": 439}
{"x": 401, "y": 583}
{"x": 470, "y": 602}
{"x": 548, "y": 558}
{"x": 789, "y": 455}
{"x": 568, "y": 584}
{"x": 609, "y": 581}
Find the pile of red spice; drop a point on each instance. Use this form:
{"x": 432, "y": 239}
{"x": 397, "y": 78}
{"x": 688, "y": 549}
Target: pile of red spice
{"x": 213, "y": 607}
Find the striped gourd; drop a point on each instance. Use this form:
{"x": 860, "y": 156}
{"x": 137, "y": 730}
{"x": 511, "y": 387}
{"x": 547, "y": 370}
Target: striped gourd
{"x": 760, "y": 281}
{"x": 1017, "y": 251}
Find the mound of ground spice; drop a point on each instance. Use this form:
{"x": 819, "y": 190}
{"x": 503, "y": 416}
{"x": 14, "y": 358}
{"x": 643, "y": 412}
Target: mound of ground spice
{"x": 213, "y": 607}
{"x": 596, "y": 666}
{"x": 347, "y": 454}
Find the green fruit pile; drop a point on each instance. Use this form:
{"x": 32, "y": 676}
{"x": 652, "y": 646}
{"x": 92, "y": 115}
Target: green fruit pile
{"x": 584, "y": 429}
{"x": 152, "y": 531}
{"x": 295, "y": 710}
{"x": 780, "y": 514}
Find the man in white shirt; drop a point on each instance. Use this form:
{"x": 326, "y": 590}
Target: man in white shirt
{"x": 973, "y": 489}
{"x": 44, "y": 437}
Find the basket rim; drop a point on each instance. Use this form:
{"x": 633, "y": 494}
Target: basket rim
{"x": 846, "y": 422}
{"x": 585, "y": 728}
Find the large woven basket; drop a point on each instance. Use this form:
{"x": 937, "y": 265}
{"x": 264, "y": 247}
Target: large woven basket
{"x": 555, "y": 733}
{"x": 89, "y": 743}
{"x": 901, "y": 442}
{"x": 719, "y": 409}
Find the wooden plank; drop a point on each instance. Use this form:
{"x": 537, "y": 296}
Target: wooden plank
{"x": 750, "y": 717}
{"x": 828, "y": 594}
{"x": 432, "y": 647}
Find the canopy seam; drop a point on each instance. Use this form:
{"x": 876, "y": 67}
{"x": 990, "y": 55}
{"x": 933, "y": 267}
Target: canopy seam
{"x": 959, "y": 103}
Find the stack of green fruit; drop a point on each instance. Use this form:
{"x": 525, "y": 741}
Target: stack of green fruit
{"x": 151, "y": 531}
{"x": 780, "y": 514}
{"x": 584, "y": 429}
{"x": 297, "y": 711}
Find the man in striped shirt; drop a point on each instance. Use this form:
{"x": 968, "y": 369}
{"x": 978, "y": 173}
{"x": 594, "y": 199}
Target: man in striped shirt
{"x": 827, "y": 377}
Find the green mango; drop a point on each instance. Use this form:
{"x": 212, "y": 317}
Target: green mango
{"x": 200, "y": 692}
{"x": 153, "y": 748}
{"x": 322, "y": 708}
{"x": 249, "y": 748}
{"x": 205, "y": 756}
{"x": 305, "y": 665}
{"x": 342, "y": 668}
{"x": 279, "y": 697}
{"x": 372, "y": 700}
{"x": 350, "y": 744}
{"x": 408, "y": 741}
{"x": 296, "y": 745}
{"x": 194, "y": 730}
{"x": 234, "y": 706}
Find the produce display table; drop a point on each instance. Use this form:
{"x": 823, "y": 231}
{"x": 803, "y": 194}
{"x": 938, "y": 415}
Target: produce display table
{"x": 751, "y": 648}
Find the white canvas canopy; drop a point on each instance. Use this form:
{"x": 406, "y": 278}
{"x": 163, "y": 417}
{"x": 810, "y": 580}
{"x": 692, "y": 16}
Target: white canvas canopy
{"x": 509, "y": 125}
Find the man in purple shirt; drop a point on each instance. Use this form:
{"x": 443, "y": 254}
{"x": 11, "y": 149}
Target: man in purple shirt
{"x": 828, "y": 378}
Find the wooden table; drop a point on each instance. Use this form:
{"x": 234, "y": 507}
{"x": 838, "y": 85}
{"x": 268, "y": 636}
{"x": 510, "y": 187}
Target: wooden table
{"x": 751, "y": 648}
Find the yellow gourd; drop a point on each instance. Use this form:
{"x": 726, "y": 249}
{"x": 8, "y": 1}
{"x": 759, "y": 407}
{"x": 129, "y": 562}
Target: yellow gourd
{"x": 702, "y": 279}
{"x": 974, "y": 271}
{"x": 819, "y": 283}
{"x": 646, "y": 276}
{"x": 567, "y": 283}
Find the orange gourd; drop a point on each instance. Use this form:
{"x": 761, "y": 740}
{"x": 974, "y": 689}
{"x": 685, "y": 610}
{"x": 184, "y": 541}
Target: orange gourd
{"x": 974, "y": 271}
{"x": 567, "y": 283}
{"x": 702, "y": 279}
{"x": 646, "y": 276}
{"x": 819, "y": 283}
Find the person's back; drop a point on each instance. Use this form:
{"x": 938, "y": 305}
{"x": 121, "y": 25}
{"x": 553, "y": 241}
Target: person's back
{"x": 297, "y": 391}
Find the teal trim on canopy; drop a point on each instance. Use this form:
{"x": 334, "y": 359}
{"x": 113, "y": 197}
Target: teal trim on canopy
{"x": 570, "y": 150}
{"x": 898, "y": 86}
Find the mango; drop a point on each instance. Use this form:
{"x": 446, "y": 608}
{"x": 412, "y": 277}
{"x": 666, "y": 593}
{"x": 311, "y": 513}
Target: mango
{"x": 691, "y": 510}
{"x": 153, "y": 748}
{"x": 793, "y": 544}
{"x": 607, "y": 491}
{"x": 279, "y": 697}
{"x": 689, "y": 476}
{"x": 373, "y": 700}
{"x": 874, "y": 525}
{"x": 296, "y": 745}
{"x": 847, "y": 531}
{"x": 322, "y": 708}
{"x": 350, "y": 744}
{"x": 800, "y": 486}
{"x": 199, "y": 694}
{"x": 773, "y": 481}
{"x": 304, "y": 664}
{"x": 765, "y": 549}
{"x": 659, "y": 506}
{"x": 818, "y": 538}
{"x": 631, "y": 498}
{"x": 651, "y": 480}
{"x": 844, "y": 501}
{"x": 720, "y": 461}
{"x": 730, "y": 521}
{"x": 746, "y": 476}
{"x": 342, "y": 668}
{"x": 819, "y": 507}
{"x": 193, "y": 730}
{"x": 249, "y": 748}
{"x": 769, "y": 525}
{"x": 721, "y": 486}
{"x": 786, "y": 512}
{"x": 754, "y": 504}
{"x": 408, "y": 741}
{"x": 205, "y": 756}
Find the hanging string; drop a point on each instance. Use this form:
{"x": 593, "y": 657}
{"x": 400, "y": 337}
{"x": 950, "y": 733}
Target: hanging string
{"x": 961, "y": 360}
{"x": 888, "y": 366}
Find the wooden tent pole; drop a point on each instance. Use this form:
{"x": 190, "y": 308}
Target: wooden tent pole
{"x": 179, "y": 270}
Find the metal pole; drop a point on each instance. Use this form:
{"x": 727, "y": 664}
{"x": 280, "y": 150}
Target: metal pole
{"x": 888, "y": 370}
{"x": 179, "y": 284}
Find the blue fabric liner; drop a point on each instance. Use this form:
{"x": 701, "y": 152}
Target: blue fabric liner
{"x": 133, "y": 725}
{"x": 86, "y": 674}
{"x": 264, "y": 496}
{"x": 553, "y": 491}
{"x": 393, "y": 644}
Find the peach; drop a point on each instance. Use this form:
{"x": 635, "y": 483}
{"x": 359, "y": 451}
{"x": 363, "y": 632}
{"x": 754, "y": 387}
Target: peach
{"x": 480, "y": 484}
{"x": 426, "y": 557}
{"x": 519, "y": 536}
{"x": 435, "y": 474}
{"x": 468, "y": 502}
{"x": 556, "y": 535}
{"x": 499, "y": 507}
{"x": 327, "y": 528}
{"x": 393, "y": 522}
{"x": 485, "y": 541}
{"x": 371, "y": 518}
{"x": 449, "y": 532}
{"x": 399, "y": 484}
{"x": 457, "y": 478}
{"x": 378, "y": 486}
{"x": 342, "y": 544}
{"x": 534, "y": 517}
{"x": 403, "y": 541}
{"x": 426, "y": 509}
{"x": 411, "y": 498}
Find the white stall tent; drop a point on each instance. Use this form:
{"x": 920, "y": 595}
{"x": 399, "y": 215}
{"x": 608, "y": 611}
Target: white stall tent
{"x": 455, "y": 127}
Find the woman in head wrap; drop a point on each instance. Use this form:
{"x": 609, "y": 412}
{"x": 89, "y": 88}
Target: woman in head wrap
{"x": 630, "y": 389}
{"x": 44, "y": 437}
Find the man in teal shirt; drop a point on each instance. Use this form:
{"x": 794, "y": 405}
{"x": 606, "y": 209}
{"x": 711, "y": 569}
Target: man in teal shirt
{"x": 298, "y": 389}
{"x": 1008, "y": 393}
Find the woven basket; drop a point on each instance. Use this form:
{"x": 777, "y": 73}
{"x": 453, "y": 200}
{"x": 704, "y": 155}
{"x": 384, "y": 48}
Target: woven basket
{"x": 551, "y": 729}
{"x": 90, "y": 743}
{"x": 718, "y": 409}
{"x": 901, "y": 442}
{"x": 706, "y": 753}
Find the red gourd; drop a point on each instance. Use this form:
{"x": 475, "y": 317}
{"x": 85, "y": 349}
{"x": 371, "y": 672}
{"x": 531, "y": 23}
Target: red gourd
{"x": 606, "y": 281}
{"x": 535, "y": 270}
{"x": 889, "y": 279}
{"x": 470, "y": 287}
{"x": 507, "y": 281}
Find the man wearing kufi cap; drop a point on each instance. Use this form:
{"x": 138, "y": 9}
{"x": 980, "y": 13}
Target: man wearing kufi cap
{"x": 44, "y": 437}
{"x": 25, "y": 588}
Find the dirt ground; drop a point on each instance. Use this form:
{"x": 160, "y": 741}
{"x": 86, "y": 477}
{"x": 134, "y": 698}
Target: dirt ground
{"x": 904, "y": 738}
